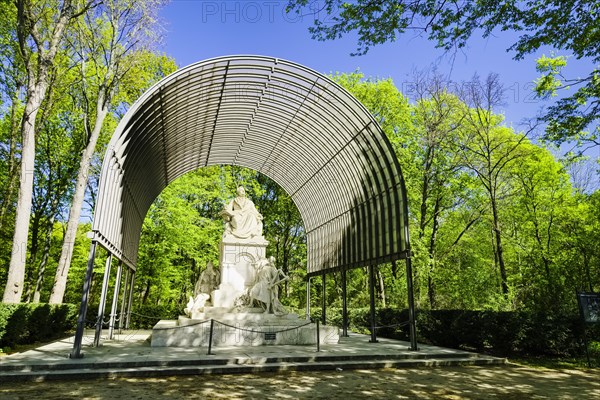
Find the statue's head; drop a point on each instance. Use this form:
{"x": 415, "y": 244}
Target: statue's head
{"x": 209, "y": 265}
{"x": 241, "y": 191}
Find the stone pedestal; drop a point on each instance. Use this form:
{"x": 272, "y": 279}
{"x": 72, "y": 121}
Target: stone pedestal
{"x": 245, "y": 328}
{"x": 238, "y": 257}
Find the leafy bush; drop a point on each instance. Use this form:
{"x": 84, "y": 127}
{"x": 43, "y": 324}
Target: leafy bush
{"x": 500, "y": 333}
{"x": 30, "y": 323}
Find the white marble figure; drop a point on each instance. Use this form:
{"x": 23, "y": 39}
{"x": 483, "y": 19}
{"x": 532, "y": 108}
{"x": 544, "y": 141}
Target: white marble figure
{"x": 242, "y": 219}
{"x": 209, "y": 280}
{"x": 266, "y": 288}
{"x": 207, "y": 283}
{"x": 196, "y": 305}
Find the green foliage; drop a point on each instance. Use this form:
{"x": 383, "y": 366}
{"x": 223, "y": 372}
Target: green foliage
{"x": 180, "y": 235}
{"x": 30, "y": 323}
{"x": 145, "y": 316}
{"x": 146, "y": 68}
{"x": 182, "y": 230}
{"x": 547, "y": 84}
{"x": 506, "y": 334}
{"x": 571, "y": 26}
{"x": 460, "y": 163}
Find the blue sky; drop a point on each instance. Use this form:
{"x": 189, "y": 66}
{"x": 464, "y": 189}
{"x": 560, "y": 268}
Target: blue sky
{"x": 201, "y": 29}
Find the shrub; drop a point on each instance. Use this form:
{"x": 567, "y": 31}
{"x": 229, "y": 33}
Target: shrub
{"x": 500, "y": 333}
{"x": 30, "y": 323}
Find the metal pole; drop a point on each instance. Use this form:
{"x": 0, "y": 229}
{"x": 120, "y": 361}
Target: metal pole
{"x": 87, "y": 283}
{"x": 129, "y": 300}
{"x": 372, "y": 297}
{"x": 210, "y": 337}
{"x": 323, "y": 305}
{"x": 318, "y": 337}
{"x": 308, "y": 299}
{"x": 344, "y": 306}
{"x": 411, "y": 306}
{"x": 122, "y": 313}
{"x": 113, "y": 307}
{"x": 102, "y": 304}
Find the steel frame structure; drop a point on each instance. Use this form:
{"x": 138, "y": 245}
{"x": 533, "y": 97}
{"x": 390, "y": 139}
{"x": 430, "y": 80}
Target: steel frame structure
{"x": 282, "y": 119}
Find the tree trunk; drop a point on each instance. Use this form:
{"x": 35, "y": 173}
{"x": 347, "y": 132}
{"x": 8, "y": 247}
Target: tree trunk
{"x": 381, "y": 288}
{"x": 35, "y": 226}
{"x": 16, "y": 271}
{"x": 64, "y": 263}
{"x": 33, "y": 250}
{"x": 13, "y": 164}
{"x": 499, "y": 249}
{"x": 432, "y": 244}
{"x": 44, "y": 262}
{"x": 146, "y": 292}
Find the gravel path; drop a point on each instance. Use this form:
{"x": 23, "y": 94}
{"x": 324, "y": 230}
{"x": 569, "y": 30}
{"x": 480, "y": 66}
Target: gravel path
{"x": 501, "y": 382}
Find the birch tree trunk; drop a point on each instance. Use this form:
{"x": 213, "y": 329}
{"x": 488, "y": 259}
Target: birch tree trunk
{"x": 64, "y": 263}
{"x": 13, "y": 164}
{"x": 16, "y": 271}
{"x": 37, "y": 60}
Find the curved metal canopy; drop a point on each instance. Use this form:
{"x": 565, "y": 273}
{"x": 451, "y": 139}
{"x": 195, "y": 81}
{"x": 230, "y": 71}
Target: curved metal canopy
{"x": 277, "y": 117}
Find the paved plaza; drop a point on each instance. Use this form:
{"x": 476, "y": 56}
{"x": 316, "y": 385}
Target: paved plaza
{"x": 127, "y": 367}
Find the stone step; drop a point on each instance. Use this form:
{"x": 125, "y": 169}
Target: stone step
{"x": 217, "y": 360}
{"x": 105, "y": 370}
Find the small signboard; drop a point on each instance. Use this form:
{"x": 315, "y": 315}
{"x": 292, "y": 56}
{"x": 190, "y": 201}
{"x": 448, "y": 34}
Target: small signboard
{"x": 270, "y": 335}
{"x": 589, "y": 305}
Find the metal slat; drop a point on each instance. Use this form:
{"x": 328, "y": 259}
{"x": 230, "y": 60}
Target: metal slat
{"x": 292, "y": 124}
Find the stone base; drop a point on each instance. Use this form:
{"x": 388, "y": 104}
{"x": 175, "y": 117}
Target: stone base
{"x": 227, "y": 313}
{"x": 240, "y": 329}
{"x": 238, "y": 258}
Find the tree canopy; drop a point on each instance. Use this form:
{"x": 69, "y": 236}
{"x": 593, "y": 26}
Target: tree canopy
{"x": 570, "y": 26}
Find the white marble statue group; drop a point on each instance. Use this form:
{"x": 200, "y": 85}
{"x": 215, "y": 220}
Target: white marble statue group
{"x": 265, "y": 290}
{"x": 242, "y": 222}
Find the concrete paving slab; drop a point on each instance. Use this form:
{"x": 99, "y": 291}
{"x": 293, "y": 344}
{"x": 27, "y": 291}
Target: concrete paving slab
{"x": 129, "y": 354}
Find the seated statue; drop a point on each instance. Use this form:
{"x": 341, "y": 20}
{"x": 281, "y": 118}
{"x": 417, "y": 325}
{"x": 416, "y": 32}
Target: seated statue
{"x": 209, "y": 280}
{"x": 266, "y": 288}
{"x": 242, "y": 219}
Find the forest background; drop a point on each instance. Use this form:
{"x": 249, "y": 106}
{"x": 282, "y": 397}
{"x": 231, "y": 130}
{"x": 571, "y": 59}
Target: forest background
{"x": 500, "y": 219}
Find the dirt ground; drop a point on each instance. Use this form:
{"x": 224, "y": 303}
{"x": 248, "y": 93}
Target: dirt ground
{"x": 498, "y": 382}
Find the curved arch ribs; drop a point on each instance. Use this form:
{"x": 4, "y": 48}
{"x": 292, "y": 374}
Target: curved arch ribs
{"x": 284, "y": 120}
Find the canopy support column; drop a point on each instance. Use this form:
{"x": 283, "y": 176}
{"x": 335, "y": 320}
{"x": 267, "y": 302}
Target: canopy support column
{"x": 122, "y": 312}
{"x": 372, "y": 301}
{"x": 308, "y": 298}
{"x": 411, "y": 305}
{"x": 87, "y": 283}
{"x": 344, "y": 306}
{"x": 115, "y": 302}
{"x": 102, "y": 305}
{"x": 323, "y": 301}
{"x": 129, "y": 300}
